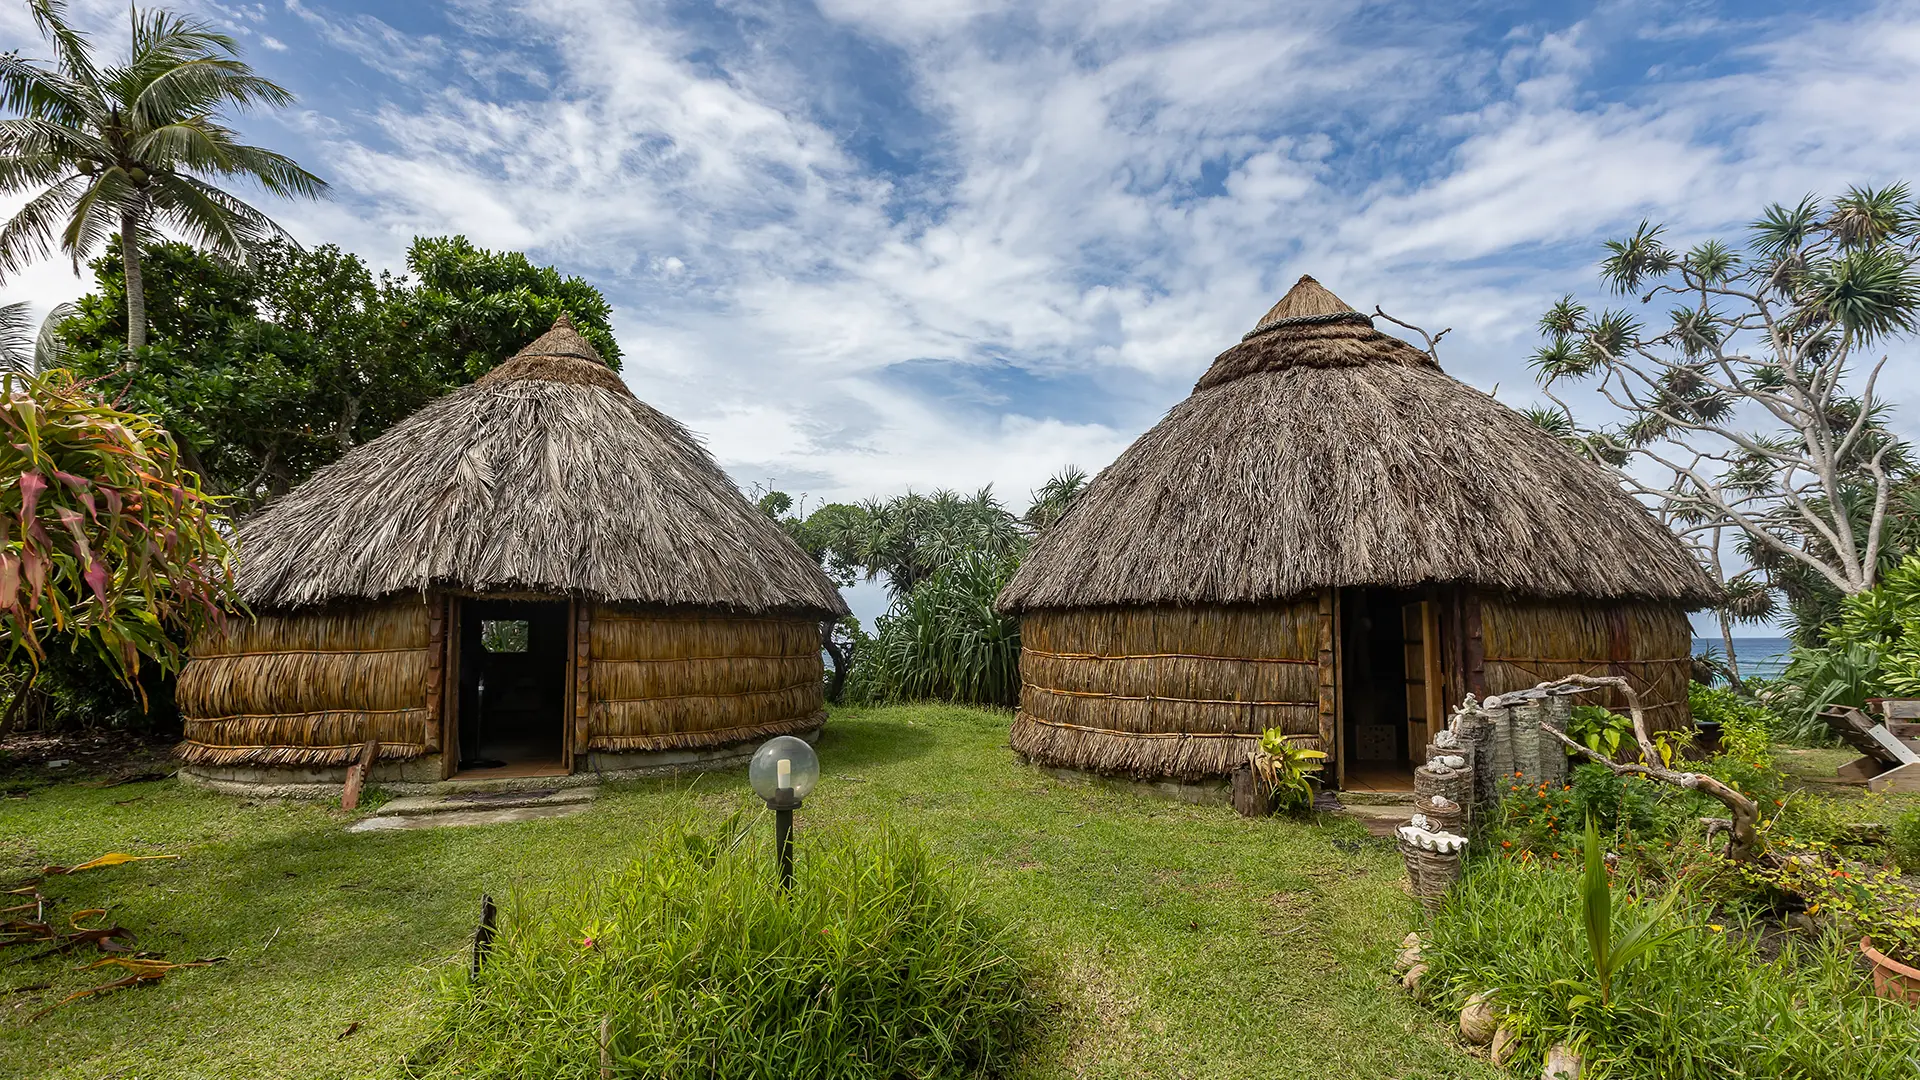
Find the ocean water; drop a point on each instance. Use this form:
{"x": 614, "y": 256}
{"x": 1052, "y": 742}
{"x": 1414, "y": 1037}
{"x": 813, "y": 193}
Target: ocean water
{"x": 1761, "y": 657}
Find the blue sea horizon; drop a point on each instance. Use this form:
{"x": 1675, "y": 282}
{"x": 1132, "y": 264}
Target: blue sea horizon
{"x": 1760, "y": 657}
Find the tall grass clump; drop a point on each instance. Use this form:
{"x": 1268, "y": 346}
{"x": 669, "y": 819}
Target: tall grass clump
{"x": 1710, "y": 1000}
{"x": 693, "y": 963}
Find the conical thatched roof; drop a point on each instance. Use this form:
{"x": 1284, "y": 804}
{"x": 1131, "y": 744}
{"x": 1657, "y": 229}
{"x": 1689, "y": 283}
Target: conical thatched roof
{"x": 546, "y": 475}
{"x": 1320, "y": 452}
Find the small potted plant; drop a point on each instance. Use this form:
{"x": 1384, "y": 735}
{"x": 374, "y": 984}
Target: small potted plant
{"x": 1281, "y": 772}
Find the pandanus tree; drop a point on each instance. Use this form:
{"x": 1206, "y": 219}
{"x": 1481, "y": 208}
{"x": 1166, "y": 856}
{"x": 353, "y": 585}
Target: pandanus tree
{"x": 1752, "y": 407}
{"x": 136, "y": 148}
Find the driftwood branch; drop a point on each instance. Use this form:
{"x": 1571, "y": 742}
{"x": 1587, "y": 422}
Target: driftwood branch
{"x": 1432, "y": 340}
{"x": 1743, "y": 843}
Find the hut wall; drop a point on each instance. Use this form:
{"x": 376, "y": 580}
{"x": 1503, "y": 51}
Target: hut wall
{"x": 1530, "y": 642}
{"x": 307, "y": 688}
{"x": 669, "y": 680}
{"x": 1166, "y": 692}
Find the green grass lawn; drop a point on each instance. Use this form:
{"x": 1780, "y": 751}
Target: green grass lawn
{"x": 1180, "y": 941}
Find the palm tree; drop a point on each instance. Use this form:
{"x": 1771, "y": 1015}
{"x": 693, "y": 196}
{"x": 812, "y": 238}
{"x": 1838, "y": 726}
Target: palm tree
{"x": 132, "y": 147}
{"x": 26, "y": 346}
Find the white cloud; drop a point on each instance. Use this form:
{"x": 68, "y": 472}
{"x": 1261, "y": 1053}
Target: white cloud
{"x": 1098, "y": 191}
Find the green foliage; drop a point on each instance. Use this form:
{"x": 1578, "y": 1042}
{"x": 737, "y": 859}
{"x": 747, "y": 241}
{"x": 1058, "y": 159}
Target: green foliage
{"x": 1904, "y": 843}
{"x": 1705, "y": 1004}
{"x": 1054, "y": 499}
{"x": 874, "y": 965}
{"x": 946, "y": 642}
{"x": 910, "y": 538}
{"x": 1282, "y": 770}
{"x": 1613, "y": 952}
{"x": 1859, "y": 900}
{"x": 470, "y": 308}
{"x": 1772, "y": 328}
{"x": 265, "y": 373}
{"x": 1600, "y": 730}
{"x": 106, "y": 543}
{"x": 119, "y": 148}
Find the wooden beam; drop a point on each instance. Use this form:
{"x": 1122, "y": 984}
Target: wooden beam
{"x": 582, "y": 674}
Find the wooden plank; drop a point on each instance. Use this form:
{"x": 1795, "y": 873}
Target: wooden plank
{"x": 582, "y": 672}
{"x": 357, "y": 772}
{"x": 1434, "y": 682}
{"x": 1414, "y": 650}
{"x": 1859, "y": 771}
{"x": 436, "y": 669}
{"x": 1329, "y": 703}
{"x": 570, "y": 689}
{"x": 1475, "y": 647}
{"x": 1906, "y": 778}
{"x": 450, "y": 716}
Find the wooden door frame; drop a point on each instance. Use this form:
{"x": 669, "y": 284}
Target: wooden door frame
{"x": 573, "y": 710}
{"x": 450, "y": 698}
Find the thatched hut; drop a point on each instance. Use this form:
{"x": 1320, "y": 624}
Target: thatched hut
{"x": 535, "y": 574}
{"x": 1333, "y": 537}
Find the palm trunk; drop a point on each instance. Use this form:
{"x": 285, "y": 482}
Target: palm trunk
{"x": 1733, "y": 662}
{"x": 136, "y": 290}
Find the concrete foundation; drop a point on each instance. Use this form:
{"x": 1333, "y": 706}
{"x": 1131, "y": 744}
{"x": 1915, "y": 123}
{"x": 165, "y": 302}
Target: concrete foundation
{"x": 1195, "y": 792}
{"x": 421, "y": 776}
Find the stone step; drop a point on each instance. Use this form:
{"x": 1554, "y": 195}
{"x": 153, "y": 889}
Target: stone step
{"x": 475, "y": 808}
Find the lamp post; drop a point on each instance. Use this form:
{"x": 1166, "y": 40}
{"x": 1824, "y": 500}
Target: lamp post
{"x": 783, "y": 772}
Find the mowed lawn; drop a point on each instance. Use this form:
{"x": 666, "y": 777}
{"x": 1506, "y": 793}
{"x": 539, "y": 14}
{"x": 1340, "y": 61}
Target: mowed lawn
{"x": 1177, "y": 941}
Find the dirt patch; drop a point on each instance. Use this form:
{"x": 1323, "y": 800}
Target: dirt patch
{"x": 31, "y": 760}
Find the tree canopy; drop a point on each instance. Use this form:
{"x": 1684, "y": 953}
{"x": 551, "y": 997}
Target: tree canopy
{"x": 135, "y": 148}
{"x": 268, "y": 371}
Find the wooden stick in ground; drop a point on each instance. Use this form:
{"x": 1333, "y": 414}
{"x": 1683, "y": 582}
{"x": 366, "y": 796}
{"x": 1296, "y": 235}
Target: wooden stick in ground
{"x": 357, "y": 773}
{"x": 1744, "y": 840}
{"x": 606, "y": 1047}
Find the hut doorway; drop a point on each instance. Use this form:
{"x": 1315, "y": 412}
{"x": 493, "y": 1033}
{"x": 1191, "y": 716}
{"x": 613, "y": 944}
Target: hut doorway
{"x": 513, "y": 687}
{"x": 1390, "y": 685}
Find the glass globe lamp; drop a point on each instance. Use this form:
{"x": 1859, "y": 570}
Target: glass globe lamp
{"x": 783, "y": 771}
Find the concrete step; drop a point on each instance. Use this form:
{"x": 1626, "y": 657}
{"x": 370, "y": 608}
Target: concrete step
{"x": 475, "y": 808}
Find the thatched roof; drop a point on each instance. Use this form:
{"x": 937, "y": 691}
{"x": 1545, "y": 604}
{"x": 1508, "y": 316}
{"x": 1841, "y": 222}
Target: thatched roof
{"x": 1320, "y": 452}
{"x": 546, "y": 475}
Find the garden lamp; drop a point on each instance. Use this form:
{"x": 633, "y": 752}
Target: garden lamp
{"x": 783, "y": 772}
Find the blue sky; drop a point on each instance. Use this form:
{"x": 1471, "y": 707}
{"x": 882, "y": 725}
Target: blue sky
{"x": 862, "y": 245}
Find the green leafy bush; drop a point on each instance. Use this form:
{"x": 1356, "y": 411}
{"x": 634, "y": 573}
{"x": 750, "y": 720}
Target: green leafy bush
{"x": 1706, "y": 1003}
{"x": 945, "y": 641}
{"x": 1904, "y": 843}
{"x": 1600, "y": 730}
{"x": 698, "y": 965}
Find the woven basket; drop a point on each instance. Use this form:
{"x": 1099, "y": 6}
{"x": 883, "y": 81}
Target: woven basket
{"x": 1453, "y": 820}
{"x": 1457, "y": 784}
{"x": 1431, "y": 872}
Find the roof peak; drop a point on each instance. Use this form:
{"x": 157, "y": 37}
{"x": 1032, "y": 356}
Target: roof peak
{"x": 562, "y": 339}
{"x": 1307, "y": 303}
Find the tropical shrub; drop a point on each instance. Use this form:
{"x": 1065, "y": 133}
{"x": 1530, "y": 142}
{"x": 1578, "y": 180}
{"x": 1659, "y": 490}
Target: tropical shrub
{"x": 1600, "y": 730}
{"x": 110, "y": 548}
{"x": 1705, "y": 1001}
{"x": 944, "y": 641}
{"x": 692, "y": 962}
{"x": 1282, "y": 769}
{"x": 1904, "y": 842}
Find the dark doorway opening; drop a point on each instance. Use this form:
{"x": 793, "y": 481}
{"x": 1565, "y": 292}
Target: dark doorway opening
{"x": 1388, "y": 682}
{"x": 513, "y": 686}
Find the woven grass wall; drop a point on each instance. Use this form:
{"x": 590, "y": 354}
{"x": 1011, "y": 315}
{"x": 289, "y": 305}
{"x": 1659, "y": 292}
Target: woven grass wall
{"x": 667, "y": 681}
{"x": 1165, "y": 692}
{"x": 307, "y": 688}
{"x": 1529, "y": 642}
